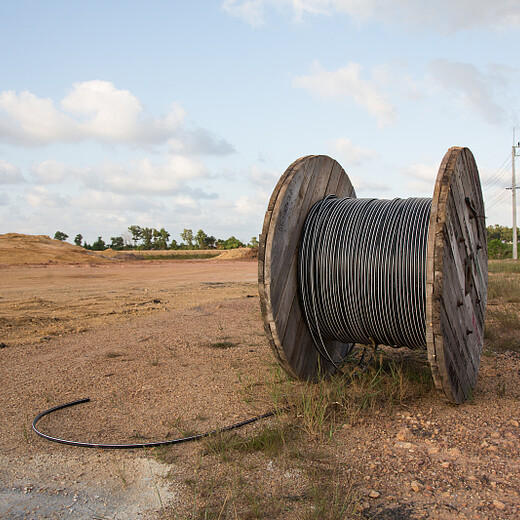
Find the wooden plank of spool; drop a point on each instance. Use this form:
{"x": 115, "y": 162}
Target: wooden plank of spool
{"x": 306, "y": 181}
{"x": 456, "y": 267}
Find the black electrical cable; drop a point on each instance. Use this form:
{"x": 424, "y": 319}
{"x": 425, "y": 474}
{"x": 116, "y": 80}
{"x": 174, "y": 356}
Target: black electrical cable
{"x": 138, "y": 444}
{"x": 362, "y": 271}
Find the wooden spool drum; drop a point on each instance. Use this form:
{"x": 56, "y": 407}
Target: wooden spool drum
{"x": 456, "y": 270}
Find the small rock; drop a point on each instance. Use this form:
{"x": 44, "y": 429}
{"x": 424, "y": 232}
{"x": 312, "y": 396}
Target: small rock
{"x": 403, "y": 435}
{"x": 514, "y": 423}
{"x": 374, "y": 494}
{"x": 454, "y": 452}
{"x": 415, "y": 486}
{"x": 405, "y": 445}
{"x": 499, "y": 505}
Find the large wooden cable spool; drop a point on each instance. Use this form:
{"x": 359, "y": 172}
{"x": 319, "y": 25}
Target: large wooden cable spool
{"x": 456, "y": 270}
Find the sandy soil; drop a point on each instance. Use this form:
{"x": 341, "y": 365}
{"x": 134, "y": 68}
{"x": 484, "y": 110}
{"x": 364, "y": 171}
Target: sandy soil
{"x": 137, "y": 340}
{"x": 18, "y": 249}
{"x": 145, "y": 343}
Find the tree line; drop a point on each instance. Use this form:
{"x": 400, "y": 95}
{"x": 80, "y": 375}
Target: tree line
{"x": 145, "y": 238}
{"x": 499, "y": 241}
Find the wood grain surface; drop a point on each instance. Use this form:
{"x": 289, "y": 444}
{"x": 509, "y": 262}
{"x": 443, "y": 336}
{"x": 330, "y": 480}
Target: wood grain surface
{"x": 306, "y": 181}
{"x": 456, "y": 285}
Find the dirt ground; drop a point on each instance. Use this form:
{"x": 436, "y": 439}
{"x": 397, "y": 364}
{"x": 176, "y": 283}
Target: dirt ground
{"x": 170, "y": 348}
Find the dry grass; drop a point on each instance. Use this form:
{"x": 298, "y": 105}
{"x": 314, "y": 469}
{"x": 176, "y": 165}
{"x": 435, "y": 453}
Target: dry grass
{"x": 502, "y": 330}
{"x": 504, "y": 287}
{"x": 504, "y": 266}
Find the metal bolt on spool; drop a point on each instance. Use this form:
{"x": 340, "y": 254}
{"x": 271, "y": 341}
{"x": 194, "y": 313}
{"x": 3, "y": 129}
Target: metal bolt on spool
{"x": 335, "y": 270}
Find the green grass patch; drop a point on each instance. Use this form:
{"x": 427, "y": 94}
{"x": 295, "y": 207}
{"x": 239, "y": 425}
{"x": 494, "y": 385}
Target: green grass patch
{"x": 178, "y": 256}
{"x": 322, "y": 407}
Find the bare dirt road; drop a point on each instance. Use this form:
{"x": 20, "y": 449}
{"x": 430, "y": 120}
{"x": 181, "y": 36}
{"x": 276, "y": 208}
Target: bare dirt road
{"x": 138, "y": 339}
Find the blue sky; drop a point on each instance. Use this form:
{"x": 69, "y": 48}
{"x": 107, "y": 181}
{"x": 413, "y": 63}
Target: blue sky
{"x": 184, "y": 114}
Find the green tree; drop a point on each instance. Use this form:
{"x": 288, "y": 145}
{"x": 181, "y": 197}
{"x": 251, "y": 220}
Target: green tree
{"x": 497, "y": 232}
{"x": 117, "y": 243}
{"x": 160, "y": 238}
{"x": 173, "y": 244}
{"x": 210, "y": 242}
{"x": 99, "y": 245}
{"x": 232, "y": 243}
{"x": 253, "y": 242}
{"x": 78, "y": 239}
{"x": 498, "y": 250}
{"x": 137, "y": 234}
{"x": 61, "y": 236}
{"x": 147, "y": 237}
{"x": 201, "y": 238}
{"x": 187, "y": 236}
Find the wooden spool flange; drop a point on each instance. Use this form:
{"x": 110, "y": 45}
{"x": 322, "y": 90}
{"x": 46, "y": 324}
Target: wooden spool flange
{"x": 456, "y": 278}
{"x": 305, "y": 182}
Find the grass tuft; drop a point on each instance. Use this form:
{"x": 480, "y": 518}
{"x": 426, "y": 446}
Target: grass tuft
{"x": 323, "y": 407}
{"x": 269, "y": 440}
{"x": 222, "y": 344}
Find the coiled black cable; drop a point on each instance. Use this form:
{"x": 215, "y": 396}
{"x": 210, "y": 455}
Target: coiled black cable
{"x": 362, "y": 271}
{"x": 153, "y": 444}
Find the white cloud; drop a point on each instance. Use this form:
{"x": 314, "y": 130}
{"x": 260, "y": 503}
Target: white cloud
{"x": 106, "y": 113}
{"x": 39, "y": 197}
{"x": 145, "y": 177}
{"x": 27, "y": 119}
{"x": 200, "y": 141}
{"x": 252, "y": 206}
{"x": 345, "y": 83}
{"x": 252, "y": 11}
{"x": 10, "y": 174}
{"x": 97, "y": 110}
{"x": 423, "y": 178}
{"x": 362, "y": 185}
{"x": 4, "y": 198}
{"x": 352, "y": 154}
{"x": 50, "y": 171}
{"x": 470, "y": 87}
{"x": 185, "y": 203}
{"x": 93, "y": 199}
{"x": 442, "y": 15}
{"x": 264, "y": 178}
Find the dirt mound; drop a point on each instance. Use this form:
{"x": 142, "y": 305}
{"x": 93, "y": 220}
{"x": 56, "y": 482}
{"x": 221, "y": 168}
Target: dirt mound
{"x": 111, "y": 254}
{"x": 242, "y": 253}
{"x": 17, "y": 249}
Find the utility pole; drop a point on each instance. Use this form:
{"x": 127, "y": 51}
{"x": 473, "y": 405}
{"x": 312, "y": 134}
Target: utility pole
{"x": 513, "y": 189}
